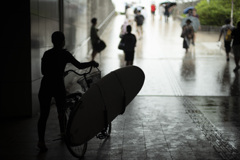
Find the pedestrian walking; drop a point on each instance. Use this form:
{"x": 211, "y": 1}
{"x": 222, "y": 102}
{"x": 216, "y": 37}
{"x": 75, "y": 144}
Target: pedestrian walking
{"x": 236, "y": 45}
{"x": 52, "y": 85}
{"x": 153, "y": 9}
{"x": 139, "y": 20}
{"x": 124, "y": 28}
{"x": 97, "y": 44}
{"x": 167, "y": 11}
{"x": 161, "y": 11}
{"x": 226, "y": 30}
{"x": 192, "y": 15}
{"x": 187, "y": 34}
{"x": 129, "y": 41}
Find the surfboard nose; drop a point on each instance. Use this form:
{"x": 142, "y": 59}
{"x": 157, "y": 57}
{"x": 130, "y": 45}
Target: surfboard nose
{"x": 132, "y": 79}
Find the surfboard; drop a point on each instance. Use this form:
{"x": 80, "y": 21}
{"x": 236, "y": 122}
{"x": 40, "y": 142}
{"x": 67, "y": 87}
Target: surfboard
{"x": 106, "y": 99}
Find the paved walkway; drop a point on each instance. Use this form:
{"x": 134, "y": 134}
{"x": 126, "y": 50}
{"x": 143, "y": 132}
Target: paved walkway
{"x": 188, "y": 108}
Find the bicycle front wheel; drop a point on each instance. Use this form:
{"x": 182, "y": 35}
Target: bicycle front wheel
{"x": 77, "y": 151}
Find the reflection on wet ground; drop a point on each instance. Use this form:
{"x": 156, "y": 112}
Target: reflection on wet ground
{"x": 188, "y": 107}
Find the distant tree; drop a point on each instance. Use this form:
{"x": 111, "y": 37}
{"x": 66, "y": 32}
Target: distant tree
{"x": 214, "y": 12}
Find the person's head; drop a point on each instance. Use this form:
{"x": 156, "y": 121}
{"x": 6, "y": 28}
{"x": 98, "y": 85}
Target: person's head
{"x": 129, "y": 28}
{"x": 194, "y": 11}
{"x": 94, "y": 21}
{"x": 188, "y": 21}
{"x": 227, "y": 21}
{"x": 190, "y": 12}
{"x": 58, "y": 39}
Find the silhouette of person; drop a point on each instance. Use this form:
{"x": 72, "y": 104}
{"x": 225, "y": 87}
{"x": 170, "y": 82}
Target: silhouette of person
{"x": 139, "y": 18}
{"x": 236, "y": 46}
{"x": 52, "y": 85}
{"x": 187, "y": 34}
{"x": 94, "y": 38}
{"x": 167, "y": 12}
{"x": 153, "y": 9}
{"x": 225, "y": 30}
{"x": 129, "y": 40}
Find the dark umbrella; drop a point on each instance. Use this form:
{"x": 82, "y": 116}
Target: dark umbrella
{"x": 173, "y": 4}
{"x": 185, "y": 11}
{"x": 170, "y": 3}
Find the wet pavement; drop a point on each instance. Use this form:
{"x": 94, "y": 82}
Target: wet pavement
{"x": 187, "y": 109}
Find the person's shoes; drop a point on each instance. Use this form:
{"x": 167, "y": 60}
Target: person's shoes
{"x": 236, "y": 69}
{"x": 42, "y": 147}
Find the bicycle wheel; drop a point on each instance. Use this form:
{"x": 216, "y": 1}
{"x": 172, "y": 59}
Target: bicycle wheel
{"x": 77, "y": 151}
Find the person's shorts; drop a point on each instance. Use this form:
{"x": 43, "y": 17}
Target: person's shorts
{"x": 236, "y": 50}
{"x": 227, "y": 45}
{"x": 129, "y": 55}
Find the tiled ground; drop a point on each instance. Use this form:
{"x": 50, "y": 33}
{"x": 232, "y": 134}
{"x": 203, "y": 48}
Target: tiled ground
{"x": 188, "y": 108}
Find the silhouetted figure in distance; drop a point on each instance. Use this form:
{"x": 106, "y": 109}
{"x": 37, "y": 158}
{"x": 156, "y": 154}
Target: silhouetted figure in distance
{"x": 94, "y": 38}
{"x": 226, "y": 30}
{"x": 52, "y": 85}
{"x": 129, "y": 40}
{"x": 187, "y": 34}
{"x": 139, "y": 18}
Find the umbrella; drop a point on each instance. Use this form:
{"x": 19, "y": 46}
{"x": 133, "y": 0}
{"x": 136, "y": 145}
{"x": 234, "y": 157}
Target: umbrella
{"x": 195, "y": 22}
{"x": 173, "y": 4}
{"x": 170, "y": 3}
{"x": 185, "y": 11}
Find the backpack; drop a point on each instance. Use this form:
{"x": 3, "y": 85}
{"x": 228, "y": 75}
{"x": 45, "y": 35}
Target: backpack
{"x": 228, "y": 36}
{"x": 139, "y": 19}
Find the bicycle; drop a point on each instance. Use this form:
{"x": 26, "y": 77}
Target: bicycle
{"x": 73, "y": 100}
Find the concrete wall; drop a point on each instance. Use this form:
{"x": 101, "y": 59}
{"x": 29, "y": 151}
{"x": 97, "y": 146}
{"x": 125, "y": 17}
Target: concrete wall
{"x": 27, "y": 35}
{"x": 15, "y": 64}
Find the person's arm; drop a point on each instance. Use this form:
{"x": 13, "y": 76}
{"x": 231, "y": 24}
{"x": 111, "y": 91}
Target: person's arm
{"x": 83, "y": 65}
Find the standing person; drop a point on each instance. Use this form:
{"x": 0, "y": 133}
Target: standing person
{"x": 153, "y": 9}
{"x": 94, "y": 38}
{"x": 236, "y": 45}
{"x": 129, "y": 40}
{"x": 161, "y": 11}
{"x": 167, "y": 11}
{"x": 139, "y": 20}
{"x": 187, "y": 34}
{"x": 130, "y": 15}
{"x": 226, "y": 30}
{"x": 52, "y": 85}
{"x": 124, "y": 28}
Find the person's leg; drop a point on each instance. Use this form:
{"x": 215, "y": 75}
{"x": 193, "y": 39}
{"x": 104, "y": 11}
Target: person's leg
{"x": 94, "y": 53}
{"x": 194, "y": 38}
{"x": 60, "y": 98}
{"x": 227, "y": 48}
{"x": 45, "y": 101}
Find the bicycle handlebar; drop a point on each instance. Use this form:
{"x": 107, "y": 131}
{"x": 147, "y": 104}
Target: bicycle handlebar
{"x": 79, "y": 74}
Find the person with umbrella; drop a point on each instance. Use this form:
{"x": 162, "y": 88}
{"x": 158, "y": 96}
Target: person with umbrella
{"x": 187, "y": 34}
{"x": 194, "y": 21}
